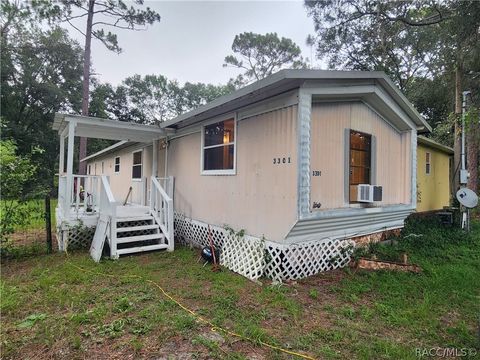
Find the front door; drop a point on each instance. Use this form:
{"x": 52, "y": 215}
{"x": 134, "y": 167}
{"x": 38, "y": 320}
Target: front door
{"x": 137, "y": 195}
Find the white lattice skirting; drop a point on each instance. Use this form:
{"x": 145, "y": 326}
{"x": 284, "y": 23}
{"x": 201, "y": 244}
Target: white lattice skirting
{"x": 253, "y": 257}
{"x": 74, "y": 237}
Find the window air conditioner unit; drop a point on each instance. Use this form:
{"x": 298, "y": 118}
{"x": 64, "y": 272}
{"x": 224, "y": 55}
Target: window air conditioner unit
{"x": 369, "y": 193}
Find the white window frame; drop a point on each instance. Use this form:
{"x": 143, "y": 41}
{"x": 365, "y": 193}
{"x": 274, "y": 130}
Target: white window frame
{"x": 428, "y": 164}
{"x": 141, "y": 172}
{"x": 234, "y": 143}
{"x": 115, "y": 164}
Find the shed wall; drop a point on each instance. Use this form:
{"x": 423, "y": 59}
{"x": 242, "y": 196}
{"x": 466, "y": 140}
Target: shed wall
{"x": 261, "y": 197}
{"x": 433, "y": 190}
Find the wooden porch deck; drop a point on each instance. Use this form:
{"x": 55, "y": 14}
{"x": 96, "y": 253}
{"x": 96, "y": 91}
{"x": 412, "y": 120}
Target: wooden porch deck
{"x": 91, "y": 218}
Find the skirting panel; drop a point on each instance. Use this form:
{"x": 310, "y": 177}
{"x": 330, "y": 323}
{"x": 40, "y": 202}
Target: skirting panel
{"x": 253, "y": 257}
{"x": 74, "y": 238}
{"x": 297, "y": 261}
{"x": 241, "y": 254}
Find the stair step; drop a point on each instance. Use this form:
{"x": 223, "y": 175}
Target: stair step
{"x": 134, "y": 218}
{"x": 130, "y": 239}
{"x": 141, "y": 249}
{"x": 137, "y": 228}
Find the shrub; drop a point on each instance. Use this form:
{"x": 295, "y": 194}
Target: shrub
{"x": 16, "y": 172}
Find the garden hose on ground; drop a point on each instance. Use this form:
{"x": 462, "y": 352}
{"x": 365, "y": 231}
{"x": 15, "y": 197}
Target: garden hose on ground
{"x": 213, "y": 327}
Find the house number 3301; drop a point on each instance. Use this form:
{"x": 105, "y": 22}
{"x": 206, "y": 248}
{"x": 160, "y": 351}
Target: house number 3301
{"x": 284, "y": 160}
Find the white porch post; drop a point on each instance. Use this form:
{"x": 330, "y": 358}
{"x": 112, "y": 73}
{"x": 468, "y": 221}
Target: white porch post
{"x": 61, "y": 162}
{"x": 71, "y": 141}
{"x": 155, "y": 159}
{"x": 154, "y": 172}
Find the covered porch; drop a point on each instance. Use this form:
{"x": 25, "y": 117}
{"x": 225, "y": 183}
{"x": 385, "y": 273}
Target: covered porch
{"x": 86, "y": 202}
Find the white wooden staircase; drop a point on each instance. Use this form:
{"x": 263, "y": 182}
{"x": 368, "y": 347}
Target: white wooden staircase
{"x": 133, "y": 228}
{"x": 138, "y": 234}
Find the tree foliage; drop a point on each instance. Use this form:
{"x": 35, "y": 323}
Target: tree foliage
{"x": 409, "y": 40}
{"x": 151, "y": 99}
{"x": 429, "y": 48}
{"x": 108, "y": 14}
{"x": 262, "y": 55}
{"x": 16, "y": 175}
{"x": 41, "y": 73}
{"x": 98, "y": 15}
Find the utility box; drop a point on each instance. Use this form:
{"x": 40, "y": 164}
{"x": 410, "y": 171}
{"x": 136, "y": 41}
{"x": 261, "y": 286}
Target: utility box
{"x": 464, "y": 175}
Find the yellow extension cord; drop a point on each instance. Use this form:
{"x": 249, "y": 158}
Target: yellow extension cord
{"x": 193, "y": 313}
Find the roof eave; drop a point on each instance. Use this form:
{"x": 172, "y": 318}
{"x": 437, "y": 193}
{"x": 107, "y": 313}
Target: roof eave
{"x": 433, "y": 144}
{"x": 304, "y": 75}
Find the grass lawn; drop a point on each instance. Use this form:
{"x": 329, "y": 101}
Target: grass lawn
{"x": 50, "y": 309}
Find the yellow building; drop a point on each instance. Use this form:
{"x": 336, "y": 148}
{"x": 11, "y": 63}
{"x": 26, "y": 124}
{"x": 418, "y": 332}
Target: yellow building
{"x": 433, "y": 175}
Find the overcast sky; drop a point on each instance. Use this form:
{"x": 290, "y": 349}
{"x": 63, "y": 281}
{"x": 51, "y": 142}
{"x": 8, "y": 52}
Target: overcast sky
{"x": 193, "y": 38}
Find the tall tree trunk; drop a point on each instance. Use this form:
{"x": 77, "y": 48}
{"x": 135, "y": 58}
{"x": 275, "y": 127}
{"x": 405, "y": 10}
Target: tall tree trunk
{"x": 473, "y": 149}
{"x": 457, "y": 141}
{"x": 86, "y": 85}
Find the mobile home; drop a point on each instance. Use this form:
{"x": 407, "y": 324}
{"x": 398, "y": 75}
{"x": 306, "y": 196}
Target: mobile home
{"x": 281, "y": 174}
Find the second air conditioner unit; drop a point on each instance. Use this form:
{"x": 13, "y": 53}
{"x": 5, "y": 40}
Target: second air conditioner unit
{"x": 369, "y": 193}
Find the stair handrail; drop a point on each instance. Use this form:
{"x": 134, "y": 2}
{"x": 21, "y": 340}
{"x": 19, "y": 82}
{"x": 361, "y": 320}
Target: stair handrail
{"x": 108, "y": 207}
{"x": 161, "y": 207}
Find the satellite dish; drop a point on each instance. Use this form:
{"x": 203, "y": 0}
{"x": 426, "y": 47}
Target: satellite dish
{"x": 467, "y": 198}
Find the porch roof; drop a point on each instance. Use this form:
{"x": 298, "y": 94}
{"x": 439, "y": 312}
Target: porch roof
{"x": 98, "y": 128}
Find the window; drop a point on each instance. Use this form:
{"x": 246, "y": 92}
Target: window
{"x": 89, "y": 169}
{"x": 117, "y": 165}
{"x": 360, "y": 159}
{"x": 137, "y": 165}
{"x": 218, "y": 148}
{"x": 95, "y": 168}
{"x": 428, "y": 166}
{"x": 103, "y": 168}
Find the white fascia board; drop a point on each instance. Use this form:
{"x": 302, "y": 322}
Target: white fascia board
{"x": 400, "y": 98}
{"x": 110, "y": 123}
{"x": 395, "y": 107}
{"x": 227, "y": 98}
{"x": 103, "y": 151}
{"x": 274, "y": 103}
{"x": 306, "y": 75}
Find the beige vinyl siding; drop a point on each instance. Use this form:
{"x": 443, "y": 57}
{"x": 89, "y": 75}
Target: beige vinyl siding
{"x": 121, "y": 182}
{"x": 329, "y": 123}
{"x": 261, "y": 197}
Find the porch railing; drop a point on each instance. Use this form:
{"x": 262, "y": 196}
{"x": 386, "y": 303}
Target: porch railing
{"x": 83, "y": 195}
{"x": 167, "y": 184}
{"x": 161, "y": 207}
